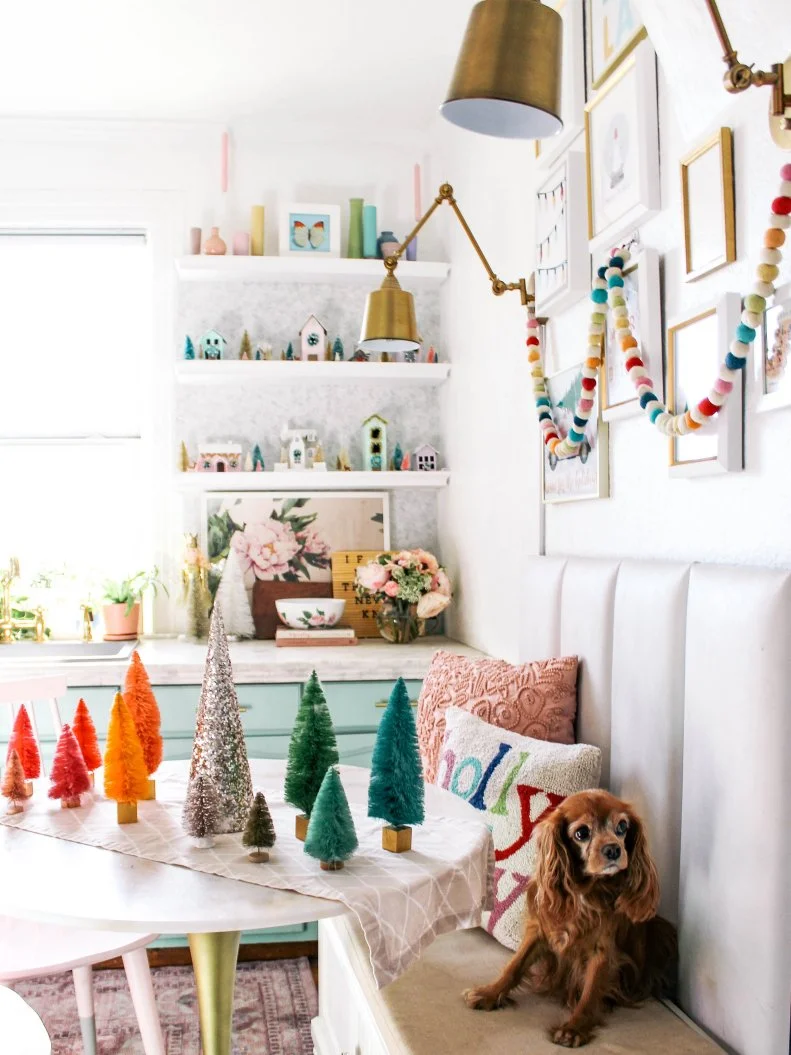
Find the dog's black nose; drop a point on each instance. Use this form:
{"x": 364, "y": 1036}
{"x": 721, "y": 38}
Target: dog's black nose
{"x": 612, "y": 851}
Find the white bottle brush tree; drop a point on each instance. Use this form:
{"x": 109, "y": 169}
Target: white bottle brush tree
{"x": 232, "y": 598}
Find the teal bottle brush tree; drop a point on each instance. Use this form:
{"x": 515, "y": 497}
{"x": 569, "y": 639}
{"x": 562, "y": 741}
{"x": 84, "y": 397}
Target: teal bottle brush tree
{"x": 395, "y": 793}
{"x": 310, "y": 754}
{"x": 331, "y": 837}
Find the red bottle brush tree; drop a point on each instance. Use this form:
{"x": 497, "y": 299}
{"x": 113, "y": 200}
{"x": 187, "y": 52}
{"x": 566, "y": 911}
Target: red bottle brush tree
{"x": 85, "y": 732}
{"x": 13, "y": 786}
{"x": 69, "y": 777}
{"x": 142, "y": 703}
{"x": 23, "y": 741}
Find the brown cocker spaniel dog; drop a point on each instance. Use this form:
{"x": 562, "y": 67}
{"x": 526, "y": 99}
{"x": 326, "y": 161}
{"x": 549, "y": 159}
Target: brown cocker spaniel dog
{"x": 592, "y": 936}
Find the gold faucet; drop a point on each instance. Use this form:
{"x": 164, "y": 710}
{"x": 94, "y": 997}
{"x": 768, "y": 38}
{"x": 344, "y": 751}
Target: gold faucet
{"x": 7, "y": 622}
{"x": 87, "y": 619}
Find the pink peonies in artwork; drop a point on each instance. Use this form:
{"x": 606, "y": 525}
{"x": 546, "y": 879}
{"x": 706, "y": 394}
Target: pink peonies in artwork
{"x": 411, "y": 577}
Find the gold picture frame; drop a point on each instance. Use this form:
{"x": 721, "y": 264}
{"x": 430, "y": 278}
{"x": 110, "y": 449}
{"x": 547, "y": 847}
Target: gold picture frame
{"x": 709, "y": 240}
{"x": 624, "y": 40}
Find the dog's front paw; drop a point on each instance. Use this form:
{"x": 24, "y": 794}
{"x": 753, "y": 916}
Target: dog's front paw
{"x": 570, "y": 1037}
{"x": 483, "y": 999}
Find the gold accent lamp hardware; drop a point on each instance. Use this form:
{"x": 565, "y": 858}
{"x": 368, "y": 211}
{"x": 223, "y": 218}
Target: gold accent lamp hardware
{"x": 87, "y": 620}
{"x": 214, "y": 962}
{"x": 507, "y": 79}
{"x": 738, "y": 77}
{"x": 244, "y": 708}
{"x": 389, "y": 323}
{"x": 7, "y": 622}
{"x": 383, "y": 703}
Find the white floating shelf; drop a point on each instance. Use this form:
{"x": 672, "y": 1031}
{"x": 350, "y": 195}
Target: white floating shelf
{"x": 310, "y": 481}
{"x": 279, "y": 372}
{"x": 415, "y": 274}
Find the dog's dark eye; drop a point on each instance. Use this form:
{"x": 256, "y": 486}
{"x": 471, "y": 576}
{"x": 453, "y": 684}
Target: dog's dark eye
{"x": 582, "y": 834}
{"x": 621, "y": 827}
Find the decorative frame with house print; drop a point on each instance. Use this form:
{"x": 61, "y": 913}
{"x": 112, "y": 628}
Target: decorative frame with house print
{"x": 586, "y": 475}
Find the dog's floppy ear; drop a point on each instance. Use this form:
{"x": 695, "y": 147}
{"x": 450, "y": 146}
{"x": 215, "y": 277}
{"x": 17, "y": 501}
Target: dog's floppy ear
{"x": 640, "y": 898}
{"x": 553, "y": 876}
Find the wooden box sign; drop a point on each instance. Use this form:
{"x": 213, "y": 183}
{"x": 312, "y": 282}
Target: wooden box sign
{"x": 358, "y": 615}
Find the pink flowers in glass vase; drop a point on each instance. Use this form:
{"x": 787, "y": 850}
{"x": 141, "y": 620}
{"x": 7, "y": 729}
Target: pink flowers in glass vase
{"x": 410, "y": 577}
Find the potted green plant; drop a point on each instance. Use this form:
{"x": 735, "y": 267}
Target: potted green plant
{"x": 122, "y": 612}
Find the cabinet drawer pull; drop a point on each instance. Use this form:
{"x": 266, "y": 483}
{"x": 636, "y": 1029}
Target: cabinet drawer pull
{"x": 244, "y": 708}
{"x": 383, "y": 703}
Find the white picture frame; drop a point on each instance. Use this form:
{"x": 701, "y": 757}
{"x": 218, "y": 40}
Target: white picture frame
{"x": 696, "y": 345}
{"x": 643, "y": 299}
{"x": 310, "y": 215}
{"x": 586, "y": 475}
{"x": 572, "y": 106}
{"x": 772, "y": 353}
{"x": 562, "y": 274}
{"x": 613, "y": 28}
{"x": 622, "y": 150}
{"x": 708, "y": 205}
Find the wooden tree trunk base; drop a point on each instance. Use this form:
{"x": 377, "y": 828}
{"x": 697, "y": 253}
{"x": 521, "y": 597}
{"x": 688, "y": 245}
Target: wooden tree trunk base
{"x": 301, "y": 827}
{"x": 331, "y": 866}
{"x": 70, "y": 804}
{"x": 13, "y": 808}
{"x": 93, "y": 779}
{"x": 151, "y": 791}
{"x": 259, "y": 856}
{"x": 396, "y": 840}
{"x": 28, "y": 788}
{"x": 126, "y": 812}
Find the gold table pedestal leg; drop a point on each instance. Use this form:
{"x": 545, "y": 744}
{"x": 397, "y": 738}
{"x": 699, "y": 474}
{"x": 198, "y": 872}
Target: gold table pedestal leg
{"x": 214, "y": 962}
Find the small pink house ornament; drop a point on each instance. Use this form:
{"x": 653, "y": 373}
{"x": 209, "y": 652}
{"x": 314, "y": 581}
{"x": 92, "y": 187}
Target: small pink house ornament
{"x": 313, "y": 340}
{"x": 426, "y": 459}
{"x": 222, "y": 457}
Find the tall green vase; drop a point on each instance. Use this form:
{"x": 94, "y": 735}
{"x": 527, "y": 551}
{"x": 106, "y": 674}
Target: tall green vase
{"x": 355, "y": 228}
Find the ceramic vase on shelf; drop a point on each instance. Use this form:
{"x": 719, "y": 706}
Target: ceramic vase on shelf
{"x": 387, "y": 244}
{"x": 195, "y": 238}
{"x": 355, "y": 250}
{"x": 369, "y": 232}
{"x": 257, "y": 230}
{"x": 214, "y": 246}
{"x": 398, "y": 622}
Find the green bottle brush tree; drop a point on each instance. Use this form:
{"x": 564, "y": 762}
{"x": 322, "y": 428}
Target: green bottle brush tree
{"x": 311, "y": 752}
{"x": 396, "y": 792}
{"x": 331, "y": 837}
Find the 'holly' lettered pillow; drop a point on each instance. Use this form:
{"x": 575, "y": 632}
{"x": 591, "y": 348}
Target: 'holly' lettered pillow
{"x": 515, "y": 781}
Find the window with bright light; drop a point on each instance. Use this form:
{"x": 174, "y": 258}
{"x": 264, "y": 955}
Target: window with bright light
{"x": 76, "y": 321}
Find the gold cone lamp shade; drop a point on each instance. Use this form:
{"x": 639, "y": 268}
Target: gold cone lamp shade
{"x": 389, "y": 323}
{"x": 508, "y": 73}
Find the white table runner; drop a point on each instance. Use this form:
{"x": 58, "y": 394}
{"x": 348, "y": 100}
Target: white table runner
{"x": 403, "y": 901}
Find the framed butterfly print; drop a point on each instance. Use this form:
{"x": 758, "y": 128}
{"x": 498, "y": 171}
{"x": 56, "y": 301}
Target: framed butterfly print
{"x": 310, "y": 229}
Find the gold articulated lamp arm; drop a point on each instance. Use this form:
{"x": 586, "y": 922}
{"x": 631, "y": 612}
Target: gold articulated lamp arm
{"x": 498, "y": 286}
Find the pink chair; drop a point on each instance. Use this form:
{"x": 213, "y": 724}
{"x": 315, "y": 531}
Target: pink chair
{"x": 30, "y": 950}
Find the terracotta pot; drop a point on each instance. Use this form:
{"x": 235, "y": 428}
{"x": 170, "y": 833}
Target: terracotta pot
{"x": 118, "y": 626}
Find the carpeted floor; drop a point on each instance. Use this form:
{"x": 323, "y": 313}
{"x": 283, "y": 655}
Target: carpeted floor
{"x": 274, "y": 1004}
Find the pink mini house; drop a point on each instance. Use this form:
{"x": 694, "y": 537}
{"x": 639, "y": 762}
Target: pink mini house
{"x": 219, "y": 458}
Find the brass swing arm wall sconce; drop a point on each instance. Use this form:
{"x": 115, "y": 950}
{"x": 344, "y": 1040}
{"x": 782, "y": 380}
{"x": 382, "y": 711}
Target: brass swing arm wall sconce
{"x": 389, "y": 323}
{"x": 738, "y": 77}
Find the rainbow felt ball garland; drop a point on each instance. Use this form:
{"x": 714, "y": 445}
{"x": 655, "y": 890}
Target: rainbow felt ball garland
{"x": 607, "y": 292}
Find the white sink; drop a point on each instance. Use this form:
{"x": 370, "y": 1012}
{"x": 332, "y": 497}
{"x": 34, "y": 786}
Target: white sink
{"x": 65, "y": 651}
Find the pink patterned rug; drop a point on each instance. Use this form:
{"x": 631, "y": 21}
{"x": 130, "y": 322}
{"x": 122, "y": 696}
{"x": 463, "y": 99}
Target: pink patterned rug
{"x": 275, "y": 1001}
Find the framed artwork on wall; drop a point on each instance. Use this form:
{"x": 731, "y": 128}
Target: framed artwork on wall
{"x": 586, "y": 475}
{"x": 310, "y": 229}
{"x": 641, "y": 293}
{"x": 772, "y": 350}
{"x": 695, "y": 346}
{"x": 707, "y": 196}
{"x": 622, "y": 150}
{"x": 613, "y": 30}
{"x": 572, "y": 85}
{"x": 562, "y": 260}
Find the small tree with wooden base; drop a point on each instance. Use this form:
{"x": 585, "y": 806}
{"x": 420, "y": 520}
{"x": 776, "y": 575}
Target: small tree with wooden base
{"x": 331, "y": 836}
{"x": 201, "y": 816}
{"x": 311, "y": 751}
{"x": 125, "y": 776}
{"x": 23, "y": 741}
{"x": 396, "y": 791}
{"x": 85, "y": 732}
{"x": 142, "y": 703}
{"x": 13, "y": 786}
{"x": 260, "y": 831}
{"x": 69, "y": 777}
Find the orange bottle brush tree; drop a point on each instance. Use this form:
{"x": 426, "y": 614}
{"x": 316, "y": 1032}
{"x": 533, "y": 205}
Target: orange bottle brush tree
{"x": 13, "y": 786}
{"x": 125, "y": 775}
{"x": 142, "y": 703}
{"x": 23, "y": 741}
{"x": 85, "y": 732}
{"x": 69, "y": 777}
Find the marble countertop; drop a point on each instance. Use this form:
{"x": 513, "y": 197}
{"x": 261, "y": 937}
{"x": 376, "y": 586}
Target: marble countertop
{"x": 172, "y": 662}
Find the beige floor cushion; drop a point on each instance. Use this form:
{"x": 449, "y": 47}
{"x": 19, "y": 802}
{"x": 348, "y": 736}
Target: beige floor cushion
{"x": 424, "y": 1011}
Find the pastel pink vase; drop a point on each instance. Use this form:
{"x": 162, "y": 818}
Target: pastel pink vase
{"x": 215, "y": 246}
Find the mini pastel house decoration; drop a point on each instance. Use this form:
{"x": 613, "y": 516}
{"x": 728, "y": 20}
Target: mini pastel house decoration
{"x": 263, "y": 351}
{"x": 374, "y": 443}
{"x": 300, "y": 449}
{"x": 223, "y": 457}
{"x": 313, "y": 338}
{"x": 426, "y": 459}
{"x": 213, "y": 345}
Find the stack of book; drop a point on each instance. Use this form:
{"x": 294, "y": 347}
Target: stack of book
{"x": 339, "y": 635}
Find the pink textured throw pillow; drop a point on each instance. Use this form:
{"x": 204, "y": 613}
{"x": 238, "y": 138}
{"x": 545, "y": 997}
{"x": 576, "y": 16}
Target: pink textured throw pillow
{"x": 535, "y": 699}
